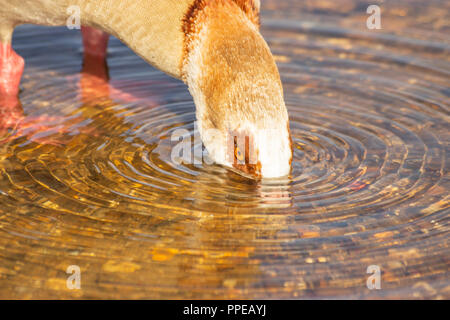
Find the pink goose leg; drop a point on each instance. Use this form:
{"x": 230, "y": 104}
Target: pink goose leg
{"x": 11, "y": 69}
{"x": 95, "y": 43}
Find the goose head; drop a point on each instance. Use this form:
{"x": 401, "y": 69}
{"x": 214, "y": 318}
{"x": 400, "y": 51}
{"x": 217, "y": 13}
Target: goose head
{"x": 233, "y": 78}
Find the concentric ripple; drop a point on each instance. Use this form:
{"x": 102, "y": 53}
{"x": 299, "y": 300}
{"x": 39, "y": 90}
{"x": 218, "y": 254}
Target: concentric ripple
{"x": 87, "y": 177}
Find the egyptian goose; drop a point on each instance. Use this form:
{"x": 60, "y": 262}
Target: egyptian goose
{"x": 214, "y": 46}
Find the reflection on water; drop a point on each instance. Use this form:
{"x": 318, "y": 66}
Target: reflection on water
{"x": 86, "y": 177}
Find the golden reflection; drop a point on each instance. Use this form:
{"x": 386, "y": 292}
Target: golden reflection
{"x": 87, "y": 179}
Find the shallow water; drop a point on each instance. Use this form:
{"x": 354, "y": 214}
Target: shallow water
{"x": 86, "y": 176}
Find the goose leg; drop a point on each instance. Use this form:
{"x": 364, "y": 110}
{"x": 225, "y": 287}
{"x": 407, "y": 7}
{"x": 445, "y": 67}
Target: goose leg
{"x": 95, "y": 43}
{"x": 11, "y": 65}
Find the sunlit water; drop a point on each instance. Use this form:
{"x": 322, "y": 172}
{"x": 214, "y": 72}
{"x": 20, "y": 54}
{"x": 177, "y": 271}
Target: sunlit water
{"x": 86, "y": 176}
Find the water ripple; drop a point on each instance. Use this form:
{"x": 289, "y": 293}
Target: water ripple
{"x": 86, "y": 175}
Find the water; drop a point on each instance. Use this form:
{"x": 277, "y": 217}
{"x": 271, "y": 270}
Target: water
{"x": 86, "y": 176}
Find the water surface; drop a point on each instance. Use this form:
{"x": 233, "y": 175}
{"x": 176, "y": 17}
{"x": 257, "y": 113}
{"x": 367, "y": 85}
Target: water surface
{"x": 86, "y": 176}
